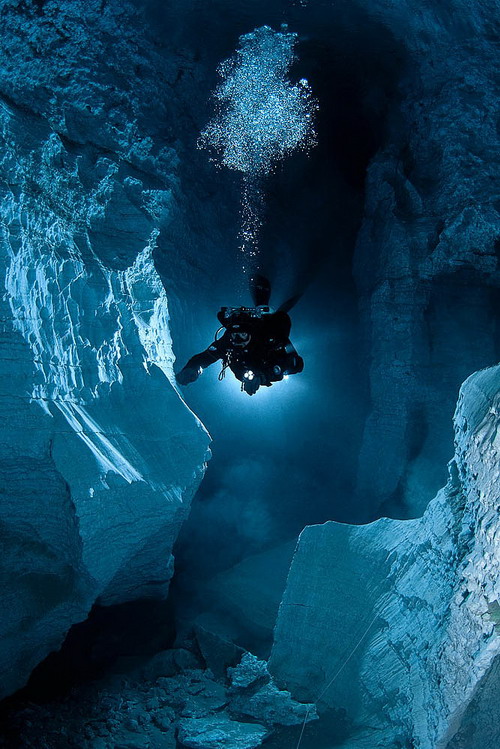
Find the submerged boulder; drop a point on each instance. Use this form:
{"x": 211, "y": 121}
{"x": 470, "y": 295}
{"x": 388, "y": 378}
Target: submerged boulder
{"x": 272, "y": 706}
{"x": 169, "y": 663}
{"x": 219, "y": 654}
{"x": 220, "y": 732}
{"x": 250, "y": 671}
{"x": 253, "y": 694}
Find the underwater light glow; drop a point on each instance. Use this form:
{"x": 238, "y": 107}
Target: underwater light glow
{"x": 249, "y": 375}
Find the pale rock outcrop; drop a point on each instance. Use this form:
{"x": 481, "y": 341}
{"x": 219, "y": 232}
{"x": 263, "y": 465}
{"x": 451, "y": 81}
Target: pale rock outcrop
{"x": 255, "y": 695}
{"x": 220, "y": 732}
{"x": 396, "y": 621}
{"x": 99, "y": 455}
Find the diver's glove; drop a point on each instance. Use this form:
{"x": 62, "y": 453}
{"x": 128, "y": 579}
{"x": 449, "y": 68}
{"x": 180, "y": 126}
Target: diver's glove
{"x": 188, "y": 375}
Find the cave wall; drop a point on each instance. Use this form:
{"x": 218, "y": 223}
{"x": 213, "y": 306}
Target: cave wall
{"x": 426, "y": 261}
{"x": 394, "y": 622}
{"x": 100, "y": 456}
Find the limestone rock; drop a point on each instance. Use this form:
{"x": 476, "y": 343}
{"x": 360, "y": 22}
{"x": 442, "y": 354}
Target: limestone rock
{"x": 248, "y": 672}
{"x": 254, "y": 694}
{"x": 169, "y": 663}
{"x": 272, "y": 706}
{"x": 425, "y": 262}
{"x": 220, "y": 732}
{"x": 99, "y": 456}
{"x": 396, "y": 621}
{"x": 241, "y": 603}
{"x": 218, "y": 653}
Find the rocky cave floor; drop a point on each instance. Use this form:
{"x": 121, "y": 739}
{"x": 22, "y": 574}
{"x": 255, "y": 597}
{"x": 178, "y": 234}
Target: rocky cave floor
{"x": 174, "y": 700}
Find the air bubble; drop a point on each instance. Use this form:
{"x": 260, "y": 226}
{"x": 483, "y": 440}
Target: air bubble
{"x": 261, "y": 118}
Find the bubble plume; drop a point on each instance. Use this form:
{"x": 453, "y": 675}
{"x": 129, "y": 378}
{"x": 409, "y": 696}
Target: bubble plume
{"x": 261, "y": 117}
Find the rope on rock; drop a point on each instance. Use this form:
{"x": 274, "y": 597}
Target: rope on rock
{"x": 325, "y": 690}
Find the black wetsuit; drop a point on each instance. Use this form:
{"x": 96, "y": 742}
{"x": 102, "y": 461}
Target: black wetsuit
{"x": 255, "y": 346}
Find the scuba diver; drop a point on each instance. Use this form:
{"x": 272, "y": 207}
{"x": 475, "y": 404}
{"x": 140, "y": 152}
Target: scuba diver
{"x": 255, "y": 344}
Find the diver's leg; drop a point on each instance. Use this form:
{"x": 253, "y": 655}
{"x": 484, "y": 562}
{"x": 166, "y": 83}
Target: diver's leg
{"x": 294, "y": 364}
{"x": 291, "y": 363}
{"x": 260, "y": 289}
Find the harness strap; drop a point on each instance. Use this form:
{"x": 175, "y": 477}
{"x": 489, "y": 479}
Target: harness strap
{"x": 225, "y": 364}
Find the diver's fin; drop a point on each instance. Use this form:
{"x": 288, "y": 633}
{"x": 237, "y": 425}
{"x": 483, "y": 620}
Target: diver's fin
{"x": 260, "y": 289}
{"x": 287, "y": 306}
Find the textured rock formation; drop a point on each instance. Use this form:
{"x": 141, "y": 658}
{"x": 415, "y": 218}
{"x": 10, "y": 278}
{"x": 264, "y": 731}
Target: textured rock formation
{"x": 99, "y": 455}
{"x": 426, "y": 261}
{"x": 241, "y": 604}
{"x": 396, "y": 621}
{"x": 254, "y": 695}
{"x": 220, "y": 731}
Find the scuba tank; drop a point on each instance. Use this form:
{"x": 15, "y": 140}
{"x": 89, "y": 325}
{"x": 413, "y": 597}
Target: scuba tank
{"x": 231, "y": 315}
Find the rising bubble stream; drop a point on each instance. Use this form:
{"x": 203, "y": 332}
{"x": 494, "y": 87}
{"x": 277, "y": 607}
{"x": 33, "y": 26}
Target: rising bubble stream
{"x": 261, "y": 117}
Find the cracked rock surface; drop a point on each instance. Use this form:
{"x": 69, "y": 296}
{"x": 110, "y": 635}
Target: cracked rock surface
{"x": 397, "y": 621}
{"x": 99, "y": 455}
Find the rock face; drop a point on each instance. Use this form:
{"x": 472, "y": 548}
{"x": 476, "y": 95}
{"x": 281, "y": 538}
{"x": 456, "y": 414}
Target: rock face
{"x": 426, "y": 262}
{"x": 241, "y": 604}
{"x": 99, "y": 456}
{"x": 255, "y": 695}
{"x": 396, "y": 621}
{"x": 220, "y": 731}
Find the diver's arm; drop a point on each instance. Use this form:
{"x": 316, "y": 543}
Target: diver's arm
{"x": 193, "y": 369}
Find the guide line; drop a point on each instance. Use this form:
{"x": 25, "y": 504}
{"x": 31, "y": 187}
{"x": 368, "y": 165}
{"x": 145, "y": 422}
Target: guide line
{"x": 327, "y": 687}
